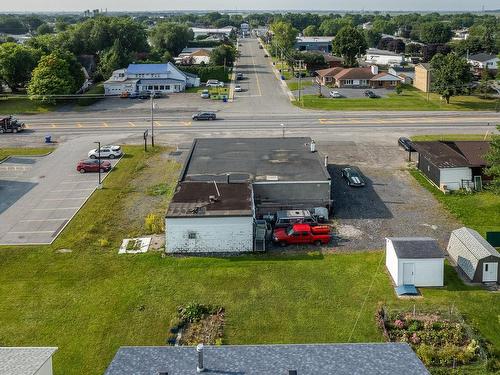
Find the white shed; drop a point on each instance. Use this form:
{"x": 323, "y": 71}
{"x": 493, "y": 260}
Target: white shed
{"x": 26, "y": 360}
{"x": 415, "y": 261}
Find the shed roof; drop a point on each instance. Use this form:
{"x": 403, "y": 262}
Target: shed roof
{"x": 416, "y": 247}
{"x": 381, "y": 52}
{"x": 23, "y": 360}
{"x": 482, "y": 57}
{"x": 384, "y": 76}
{"x": 454, "y": 154}
{"x": 309, "y": 359}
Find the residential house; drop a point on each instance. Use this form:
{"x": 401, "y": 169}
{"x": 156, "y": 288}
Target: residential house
{"x": 163, "y": 78}
{"x": 326, "y": 76}
{"x": 367, "y": 26}
{"x": 423, "y": 77}
{"x": 405, "y": 74}
{"x": 453, "y": 165}
{"x": 417, "y": 261}
{"x": 461, "y": 34}
{"x": 289, "y": 359}
{"x": 194, "y": 56}
{"x": 382, "y": 57}
{"x": 223, "y": 32}
{"x": 474, "y": 256}
{"x": 26, "y": 360}
{"x": 314, "y": 43}
{"x": 481, "y": 61}
{"x": 366, "y": 77}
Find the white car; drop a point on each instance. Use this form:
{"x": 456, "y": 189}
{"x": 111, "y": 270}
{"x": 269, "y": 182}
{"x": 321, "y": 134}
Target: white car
{"x": 109, "y": 151}
{"x": 237, "y": 88}
{"x": 335, "y": 94}
{"x": 205, "y": 94}
{"x": 214, "y": 83}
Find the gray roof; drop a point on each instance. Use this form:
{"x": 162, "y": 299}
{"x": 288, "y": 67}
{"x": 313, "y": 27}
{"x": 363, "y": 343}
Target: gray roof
{"x": 23, "y": 360}
{"x": 310, "y": 359}
{"x": 254, "y": 159}
{"x": 467, "y": 247}
{"x": 482, "y": 57}
{"x": 416, "y": 247}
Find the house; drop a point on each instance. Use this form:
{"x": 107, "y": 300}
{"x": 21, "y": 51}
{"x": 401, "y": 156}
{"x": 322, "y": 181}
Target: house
{"x": 473, "y": 255}
{"x": 356, "y": 78}
{"x": 210, "y": 217}
{"x": 367, "y": 26}
{"x": 382, "y": 57}
{"x": 482, "y": 61}
{"x": 194, "y": 56}
{"x": 245, "y": 29}
{"x": 414, "y": 261}
{"x": 223, "y": 32}
{"x": 405, "y": 74}
{"x": 26, "y": 360}
{"x": 460, "y": 34}
{"x": 314, "y": 43}
{"x": 331, "y": 60}
{"x": 453, "y": 165}
{"x": 423, "y": 77}
{"x": 291, "y": 359}
{"x": 238, "y": 180}
{"x": 164, "y": 78}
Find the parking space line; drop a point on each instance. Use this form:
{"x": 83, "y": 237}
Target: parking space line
{"x": 34, "y": 231}
{"x": 62, "y": 199}
{"x": 105, "y": 124}
{"x": 158, "y": 124}
{"x": 41, "y": 220}
{"x": 79, "y": 125}
{"x": 65, "y": 190}
{"x": 55, "y": 208}
{"x": 131, "y": 124}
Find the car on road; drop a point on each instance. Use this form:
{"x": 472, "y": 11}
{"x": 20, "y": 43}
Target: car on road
{"x": 335, "y": 94}
{"x": 266, "y": 55}
{"x": 204, "y": 116}
{"x": 353, "y": 176}
{"x": 124, "y": 95}
{"x": 144, "y": 95}
{"x": 260, "y": 46}
{"x": 109, "y": 151}
{"x": 239, "y": 76}
{"x": 92, "y": 165}
{"x": 205, "y": 94}
{"x": 371, "y": 94}
{"x": 237, "y": 88}
{"x": 133, "y": 95}
{"x": 406, "y": 144}
{"x": 214, "y": 83}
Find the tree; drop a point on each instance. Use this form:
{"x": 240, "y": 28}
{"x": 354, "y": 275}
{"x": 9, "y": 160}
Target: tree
{"x": 435, "y": 32}
{"x": 284, "y": 35}
{"x": 396, "y": 45}
{"x": 56, "y": 74}
{"x": 330, "y": 27}
{"x": 349, "y": 43}
{"x": 113, "y": 59}
{"x": 223, "y": 55}
{"x": 311, "y": 30}
{"x": 44, "y": 29}
{"x": 413, "y": 49}
{"x": 430, "y": 50}
{"x": 372, "y": 37}
{"x": 313, "y": 61}
{"x": 493, "y": 159}
{"x": 450, "y": 75}
{"x": 33, "y": 22}
{"x": 171, "y": 37}
{"x": 16, "y": 64}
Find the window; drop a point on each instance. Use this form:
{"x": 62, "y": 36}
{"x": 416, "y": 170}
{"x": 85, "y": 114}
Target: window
{"x": 155, "y": 87}
{"x": 167, "y": 87}
{"x": 150, "y": 87}
{"x": 192, "y": 235}
{"x": 486, "y": 267}
{"x": 162, "y": 87}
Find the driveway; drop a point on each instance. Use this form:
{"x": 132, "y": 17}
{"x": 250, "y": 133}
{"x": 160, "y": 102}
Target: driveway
{"x": 40, "y": 195}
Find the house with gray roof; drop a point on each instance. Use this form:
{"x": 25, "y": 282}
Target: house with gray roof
{"x": 303, "y": 359}
{"x": 474, "y": 256}
{"x": 417, "y": 261}
{"x": 26, "y": 360}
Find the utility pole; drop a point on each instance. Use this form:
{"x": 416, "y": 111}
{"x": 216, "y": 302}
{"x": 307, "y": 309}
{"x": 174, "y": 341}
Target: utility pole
{"x": 282, "y": 130}
{"x": 300, "y": 80}
{"x": 99, "y": 161}
{"x": 152, "y": 122}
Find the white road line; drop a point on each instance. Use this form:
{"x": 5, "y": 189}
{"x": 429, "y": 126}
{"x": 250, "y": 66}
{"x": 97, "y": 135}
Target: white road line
{"x": 36, "y": 220}
{"x": 34, "y": 231}
{"x": 62, "y": 191}
{"x": 58, "y": 208}
{"x": 63, "y": 199}
{"x": 256, "y": 76}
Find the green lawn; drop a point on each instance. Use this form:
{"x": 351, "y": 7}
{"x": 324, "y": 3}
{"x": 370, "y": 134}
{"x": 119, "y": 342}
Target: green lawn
{"x": 452, "y": 137}
{"x": 14, "y": 106}
{"x": 27, "y": 151}
{"x": 410, "y": 100}
{"x": 91, "y": 301}
{"x": 294, "y": 85}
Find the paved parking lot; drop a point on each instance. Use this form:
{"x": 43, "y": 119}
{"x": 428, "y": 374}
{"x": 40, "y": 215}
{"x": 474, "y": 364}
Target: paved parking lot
{"x": 345, "y": 92}
{"x": 40, "y": 195}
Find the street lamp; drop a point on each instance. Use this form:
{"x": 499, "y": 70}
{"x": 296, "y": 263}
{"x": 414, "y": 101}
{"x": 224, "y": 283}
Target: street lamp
{"x": 99, "y": 160}
{"x": 283, "y": 130}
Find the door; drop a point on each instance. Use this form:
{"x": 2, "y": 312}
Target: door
{"x": 408, "y": 273}
{"x": 490, "y": 272}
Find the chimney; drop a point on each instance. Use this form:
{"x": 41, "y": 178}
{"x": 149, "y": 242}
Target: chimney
{"x": 199, "y": 349}
{"x": 374, "y": 69}
{"x": 162, "y": 373}
{"x": 227, "y": 175}
{"x": 313, "y": 146}
{"x": 326, "y": 161}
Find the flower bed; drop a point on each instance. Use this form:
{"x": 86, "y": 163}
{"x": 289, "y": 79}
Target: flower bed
{"x": 440, "y": 339}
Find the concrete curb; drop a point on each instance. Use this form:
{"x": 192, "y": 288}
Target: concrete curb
{"x": 277, "y": 74}
{"x": 25, "y": 156}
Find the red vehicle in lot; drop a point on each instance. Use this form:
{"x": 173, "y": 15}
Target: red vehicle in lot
{"x": 92, "y": 165}
{"x": 302, "y": 234}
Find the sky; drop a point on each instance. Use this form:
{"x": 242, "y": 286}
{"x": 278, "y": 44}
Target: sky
{"x": 152, "y": 5}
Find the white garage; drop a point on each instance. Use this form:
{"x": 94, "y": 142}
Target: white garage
{"x": 415, "y": 261}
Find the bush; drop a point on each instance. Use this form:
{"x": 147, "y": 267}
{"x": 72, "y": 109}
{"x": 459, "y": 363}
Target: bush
{"x": 207, "y": 72}
{"x": 154, "y": 223}
{"x": 103, "y": 242}
{"x": 193, "y": 312}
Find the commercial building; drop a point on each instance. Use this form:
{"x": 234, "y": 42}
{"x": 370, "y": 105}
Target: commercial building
{"x": 194, "y": 56}
{"x": 223, "y": 32}
{"x": 382, "y": 57}
{"x": 423, "y": 77}
{"x": 314, "y": 43}
{"x": 162, "y": 78}
{"x": 357, "y": 78}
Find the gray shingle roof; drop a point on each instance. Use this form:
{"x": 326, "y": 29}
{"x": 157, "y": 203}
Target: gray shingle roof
{"x": 23, "y": 360}
{"x": 481, "y": 57}
{"x": 310, "y": 359}
{"x": 416, "y": 247}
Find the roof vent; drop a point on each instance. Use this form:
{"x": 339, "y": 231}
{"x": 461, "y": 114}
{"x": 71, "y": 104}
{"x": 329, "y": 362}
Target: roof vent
{"x": 162, "y": 373}
{"x": 292, "y": 372}
{"x": 271, "y": 178}
{"x": 199, "y": 350}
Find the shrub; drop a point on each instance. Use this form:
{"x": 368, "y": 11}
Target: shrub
{"x": 103, "y": 242}
{"x": 414, "y": 326}
{"x": 193, "y": 312}
{"x": 154, "y": 223}
{"x": 427, "y": 354}
{"x": 399, "y": 324}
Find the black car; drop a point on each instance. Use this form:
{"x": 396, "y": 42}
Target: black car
{"x": 239, "y": 76}
{"x": 406, "y": 144}
{"x": 371, "y": 94}
{"x": 144, "y": 95}
{"x": 353, "y": 176}
{"x": 204, "y": 116}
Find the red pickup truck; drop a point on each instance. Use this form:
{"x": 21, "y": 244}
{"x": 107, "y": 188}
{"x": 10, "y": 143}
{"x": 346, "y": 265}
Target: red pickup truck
{"x": 302, "y": 234}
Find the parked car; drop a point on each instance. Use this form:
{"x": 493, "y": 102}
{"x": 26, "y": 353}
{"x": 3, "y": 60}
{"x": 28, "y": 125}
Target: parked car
{"x": 302, "y": 234}
{"x": 133, "y": 95}
{"x": 205, "y": 94}
{"x": 239, "y": 76}
{"x": 335, "y": 94}
{"x": 371, "y": 94}
{"x": 285, "y": 218}
{"x": 144, "y": 95}
{"x": 124, "y": 95}
{"x": 109, "y": 151}
{"x": 353, "y": 176}
{"x": 214, "y": 83}
{"x": 237, "y": 88}
{"x": 204, "y": 116}
{"x": 92, "y": 165}
{"x": 406, "y": 144}
{"x": 11, "y": 125}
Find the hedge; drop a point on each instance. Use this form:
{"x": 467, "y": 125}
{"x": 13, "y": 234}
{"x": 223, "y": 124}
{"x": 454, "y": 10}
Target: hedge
{"x": 207, "y": 72}
{"x": 203, "y": 43}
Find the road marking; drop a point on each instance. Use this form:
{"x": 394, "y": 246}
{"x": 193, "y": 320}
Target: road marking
{"x": 61, "y": 191}
{"x": 79, "y": 125}
{"x": 63, "y": 199}
{"x": 256, "y": 76}
{"x": 53, "y": 126}
{"x": 131, "y": 124}
{"x": 37, "y": 220}
{"x": 158, "y": 124}
{"x": 186, "y": 123}
{"x": 34, "y": 231}
{"x": 105, "y": 124}
{"x": 56, "y": 208}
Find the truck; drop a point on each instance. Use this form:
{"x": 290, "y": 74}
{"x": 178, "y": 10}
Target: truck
{"x": 11, "y": 125}
{"x": 302, "y": 234}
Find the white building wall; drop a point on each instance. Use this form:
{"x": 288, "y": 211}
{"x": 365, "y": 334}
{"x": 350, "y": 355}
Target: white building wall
{"x": 391, "y": 260}
{"x": 427, "y": 272}
{"x": 452, "y": 177}
{"x": 46, "y": 368}
{"x": 384, "y": 59}
{"x": 210, "y": 234}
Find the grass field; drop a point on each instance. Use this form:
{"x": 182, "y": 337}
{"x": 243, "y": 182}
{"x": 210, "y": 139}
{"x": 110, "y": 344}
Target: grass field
{"x": 294, "y": 85}
{"x": 28, "y": 151}
{"x": 452, "y": 137}
{"x": 410, "y": 100}
{"x": 14, "y": 106}
{"x": 91, "y": 301}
